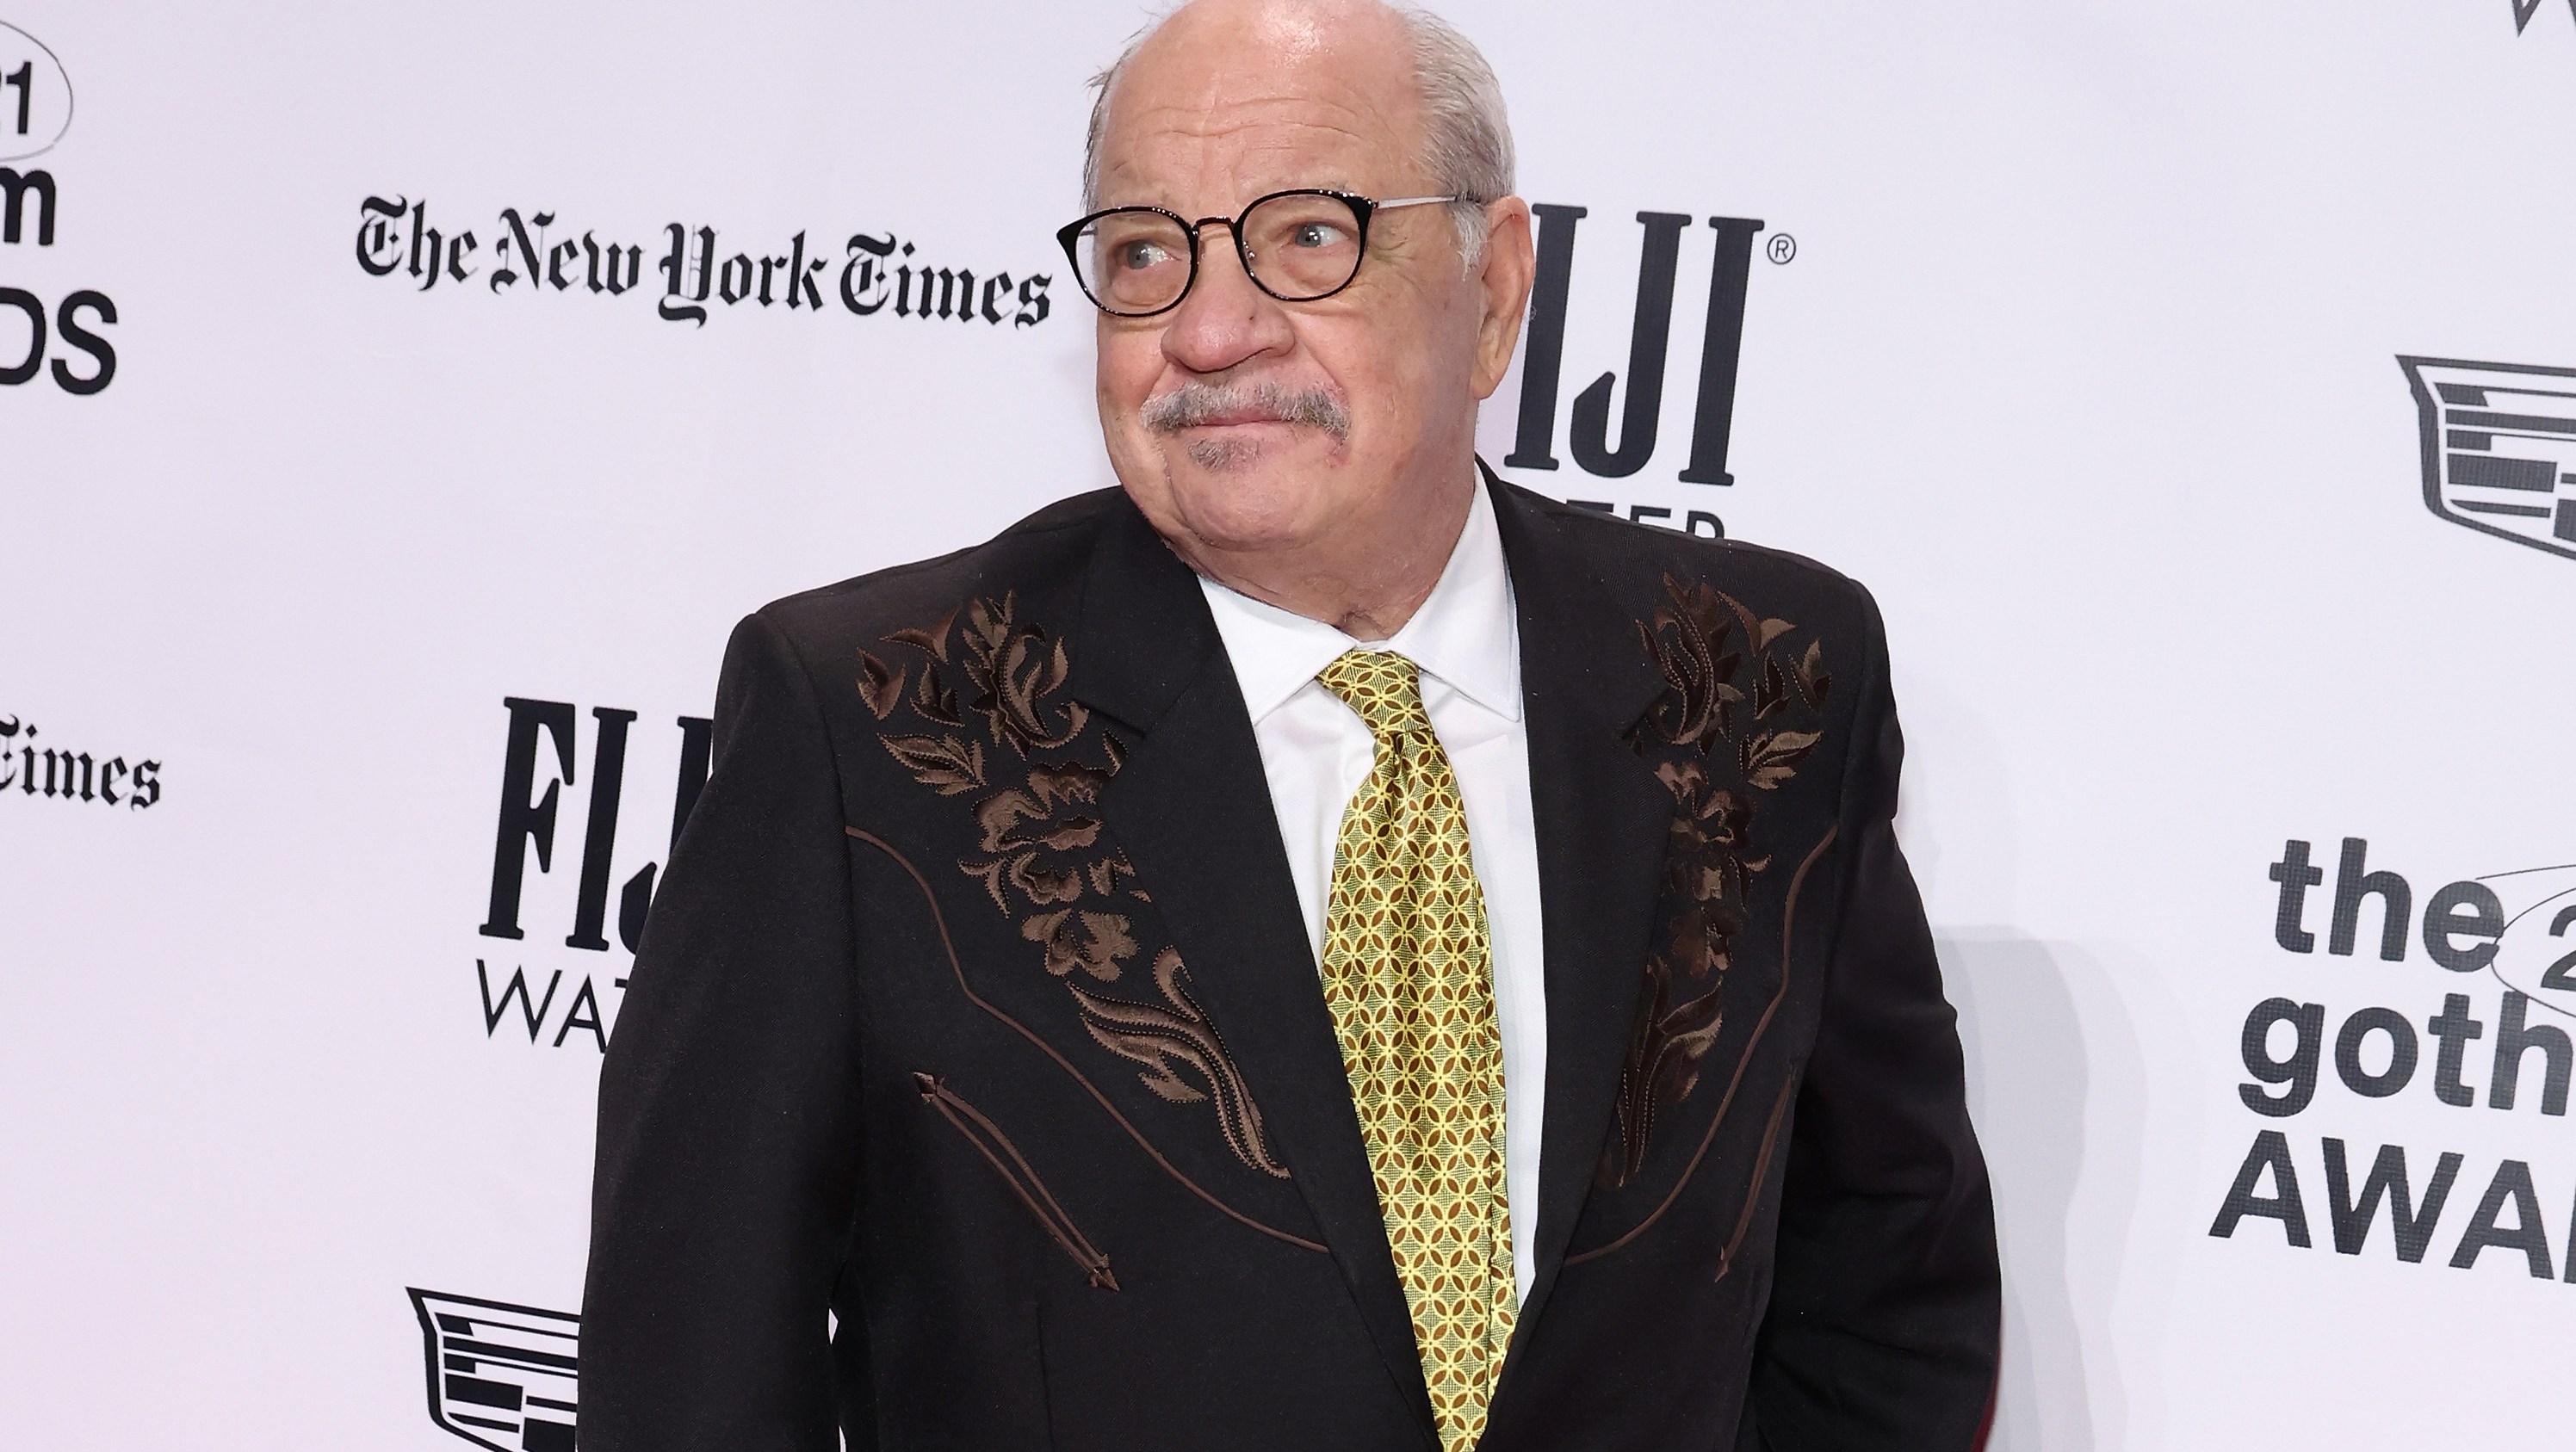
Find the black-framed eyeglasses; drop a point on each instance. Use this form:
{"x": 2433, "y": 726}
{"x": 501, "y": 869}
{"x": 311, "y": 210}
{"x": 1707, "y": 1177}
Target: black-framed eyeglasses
{"x": 1297, "y": 246}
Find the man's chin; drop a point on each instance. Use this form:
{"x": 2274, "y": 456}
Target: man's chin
{"x": 1236, "y": 449}
{"x": 1226, "y": 455}
{"x": 1242, "y": 494}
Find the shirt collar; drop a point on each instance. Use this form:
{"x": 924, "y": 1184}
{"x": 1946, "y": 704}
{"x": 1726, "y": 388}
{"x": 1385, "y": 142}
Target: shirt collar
{"x": 1466, "y": 634}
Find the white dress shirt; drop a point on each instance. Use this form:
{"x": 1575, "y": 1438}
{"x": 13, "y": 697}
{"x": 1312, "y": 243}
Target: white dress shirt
{"x": 1316, "y": 751}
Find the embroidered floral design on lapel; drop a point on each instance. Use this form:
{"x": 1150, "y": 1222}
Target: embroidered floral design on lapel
{"x": 1699, "y": 639}
{"x": 1042, "y": 857}
{"x": 1179, "y": 1034}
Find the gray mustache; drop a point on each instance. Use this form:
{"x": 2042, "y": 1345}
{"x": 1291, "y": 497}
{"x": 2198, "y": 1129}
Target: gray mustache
{"x": 1193, "y": 405}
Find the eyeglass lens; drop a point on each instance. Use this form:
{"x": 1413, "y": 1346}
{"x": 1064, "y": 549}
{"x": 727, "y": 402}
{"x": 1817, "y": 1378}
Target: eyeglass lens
{"x": 1299, "y": 247}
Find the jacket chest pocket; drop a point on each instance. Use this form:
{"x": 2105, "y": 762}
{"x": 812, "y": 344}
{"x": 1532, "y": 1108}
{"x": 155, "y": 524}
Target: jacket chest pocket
{"x": 1732, "y": 1210}
{"x": 997, "y": 1150}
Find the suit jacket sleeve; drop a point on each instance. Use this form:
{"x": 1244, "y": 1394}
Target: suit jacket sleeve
{"x": 723, "y": 1196}
{"x": 1885, "y": 1303}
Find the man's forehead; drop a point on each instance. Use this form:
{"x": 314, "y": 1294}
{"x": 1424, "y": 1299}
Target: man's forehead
{"x": 1247, "y": 85}
{"x": 1248, "y": 134}
{"x": 1358, "y": 39}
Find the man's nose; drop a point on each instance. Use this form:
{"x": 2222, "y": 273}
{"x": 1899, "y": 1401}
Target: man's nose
{"x": 1226, "y": 320}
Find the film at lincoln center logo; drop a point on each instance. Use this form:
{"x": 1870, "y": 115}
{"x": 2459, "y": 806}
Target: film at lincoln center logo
{"x": 2498, "y": 442}
{"x": 502, "y": 1377}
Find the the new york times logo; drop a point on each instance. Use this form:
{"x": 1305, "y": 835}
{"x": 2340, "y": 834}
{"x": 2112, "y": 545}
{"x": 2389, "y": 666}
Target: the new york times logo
{"x": 2511, "y": 936}
{"x": 695, "y": 271}
{"x": 62, "y": 774}
{"x": 502, "y": 1377}
{"x": 537, "y": 769}
{"x": 1640, "y": 413}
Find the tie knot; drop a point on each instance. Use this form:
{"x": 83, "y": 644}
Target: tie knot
{"x": 1384, "y": 687}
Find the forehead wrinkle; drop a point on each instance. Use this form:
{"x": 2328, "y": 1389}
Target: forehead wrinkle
{"x": 1239, "y": 139}
{"x": 1223, "y": 132}
{"x": 1261, "y": 92}
{"x": 1298, "y": 112}
{"x": 1255, "y": 164}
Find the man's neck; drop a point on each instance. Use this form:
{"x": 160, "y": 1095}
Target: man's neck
{"x": 1366, "y": 583}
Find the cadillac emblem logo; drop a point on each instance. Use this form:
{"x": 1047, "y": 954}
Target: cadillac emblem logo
{"x": 2499, "y": 448}
{"x": 500, "y": 1376}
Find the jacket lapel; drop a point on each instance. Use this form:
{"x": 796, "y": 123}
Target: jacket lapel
{"x": 1191, "y": 807}
{"x": 1602, "y": 818}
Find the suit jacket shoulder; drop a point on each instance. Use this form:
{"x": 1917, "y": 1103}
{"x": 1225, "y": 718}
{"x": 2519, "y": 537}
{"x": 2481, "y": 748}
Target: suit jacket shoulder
{"x": 1637, "y": 556}
{"x": 1047, "y": 548}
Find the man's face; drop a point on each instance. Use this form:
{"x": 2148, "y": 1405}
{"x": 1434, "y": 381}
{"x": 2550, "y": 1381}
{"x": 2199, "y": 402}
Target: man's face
{"x": 1240, "y": 423}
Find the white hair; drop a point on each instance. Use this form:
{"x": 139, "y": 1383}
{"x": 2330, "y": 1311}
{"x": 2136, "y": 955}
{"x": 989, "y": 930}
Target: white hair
{"x": 1467, "y": 135}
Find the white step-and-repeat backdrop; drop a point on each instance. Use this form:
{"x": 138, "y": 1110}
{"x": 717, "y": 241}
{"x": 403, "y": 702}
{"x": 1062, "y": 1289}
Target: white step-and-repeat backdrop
{"x": 399, "y": 403}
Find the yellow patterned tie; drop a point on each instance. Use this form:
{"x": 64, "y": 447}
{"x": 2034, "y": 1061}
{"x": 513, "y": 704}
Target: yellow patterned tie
{"x": 1408, "y": 974}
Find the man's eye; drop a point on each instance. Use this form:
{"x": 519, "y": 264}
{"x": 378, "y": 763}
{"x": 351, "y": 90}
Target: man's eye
{"x": 1137, "y": 256}
{"x": 1316, "y": 234}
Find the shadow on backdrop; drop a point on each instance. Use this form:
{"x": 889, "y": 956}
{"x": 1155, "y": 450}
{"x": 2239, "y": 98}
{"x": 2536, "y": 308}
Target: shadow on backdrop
{"x": 2057, "y": 1083}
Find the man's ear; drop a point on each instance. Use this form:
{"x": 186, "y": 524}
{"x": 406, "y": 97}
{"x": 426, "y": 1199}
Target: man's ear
{"x": 1505, "y": 272}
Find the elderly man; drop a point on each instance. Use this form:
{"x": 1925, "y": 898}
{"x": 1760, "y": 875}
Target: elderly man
{"x": 1314, "y": 948}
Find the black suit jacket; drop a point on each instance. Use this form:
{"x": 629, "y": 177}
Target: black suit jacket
{"x": 975, "y": 1090}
